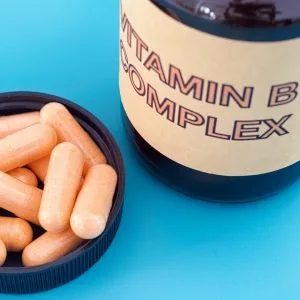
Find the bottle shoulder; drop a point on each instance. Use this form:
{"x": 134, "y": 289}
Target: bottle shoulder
{"x": 241, "y": 12}
{"x": 260, "y": 20}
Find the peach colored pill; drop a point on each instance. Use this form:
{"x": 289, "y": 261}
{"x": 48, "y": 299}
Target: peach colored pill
{"x": 19, "y": 198}
{"x": 50, "y": 247}
{"x": 26, "y": 145}
{"x": 24, "y": 175}
{"x": 3, "y": 253}
{"x": 13, "y": 123}
{"x": 69, "y": 130}
{"x": 61, "y": 187}
{"x": 40, "y": 167}
{"x": 15, "y": 233}
{"x": 94, "y": 202}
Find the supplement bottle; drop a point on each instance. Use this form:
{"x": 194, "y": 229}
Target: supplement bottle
{"x": 210, "y": 93}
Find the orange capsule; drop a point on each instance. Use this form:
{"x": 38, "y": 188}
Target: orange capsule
{"x": 40, "y": 167}
{"x": 3, "y": 253}
{"x": 13, "y": 123}
{"x": 50, "y": 247}
{"x": 61, "y": 187}
{"x": 94, "y": 202}
{"x": 69, "y": 130}
{"x": 24, "y": 175}
{"x": 26, "y": 145}
{"x": 15, "y": 233}
{"x": 19, "y": 198}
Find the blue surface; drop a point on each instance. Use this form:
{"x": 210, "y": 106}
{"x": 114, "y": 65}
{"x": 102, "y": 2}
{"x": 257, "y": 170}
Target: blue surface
{"x": 169, "y": 247}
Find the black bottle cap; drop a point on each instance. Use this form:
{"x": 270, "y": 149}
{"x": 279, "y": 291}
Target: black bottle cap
{"x": 16, "y": 279}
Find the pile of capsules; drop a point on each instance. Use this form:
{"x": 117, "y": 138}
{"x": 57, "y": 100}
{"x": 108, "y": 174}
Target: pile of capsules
{"x": 78, "y": 185}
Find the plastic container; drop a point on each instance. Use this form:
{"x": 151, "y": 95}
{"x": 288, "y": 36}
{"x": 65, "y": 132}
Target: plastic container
{"x": 221, "y": 45}
{"x": 16, "y": 279}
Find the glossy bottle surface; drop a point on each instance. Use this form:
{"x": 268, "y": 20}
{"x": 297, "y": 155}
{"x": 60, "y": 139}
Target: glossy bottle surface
{"x": 251, "y": 21}
{"x": 264, "y": 11}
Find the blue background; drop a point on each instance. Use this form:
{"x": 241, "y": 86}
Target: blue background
{"x": 169, "y": 246}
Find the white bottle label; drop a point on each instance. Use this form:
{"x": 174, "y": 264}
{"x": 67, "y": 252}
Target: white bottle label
{"x": 216, "y": 105}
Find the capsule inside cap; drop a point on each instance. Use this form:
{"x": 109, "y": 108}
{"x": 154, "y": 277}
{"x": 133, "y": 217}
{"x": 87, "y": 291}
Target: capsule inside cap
{"x": 61, "y": 187}
{"x": 24, "y": 175}
{"x": 13, "y": 123}
{"x": 50, "y": 247}
{"x": 26, "y": 145}
{"x": 69, "y": 130}
{"x": 3, "y": 253}
{"x": 94, "y": 202}
{"x": 40, "y": 167}
{"x": 19, "y": 198}
{"x": 15, "y": 233}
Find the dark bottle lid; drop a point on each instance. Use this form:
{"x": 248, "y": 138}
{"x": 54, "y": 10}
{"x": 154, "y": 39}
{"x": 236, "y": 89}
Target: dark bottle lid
{"x": 16, "y": 279}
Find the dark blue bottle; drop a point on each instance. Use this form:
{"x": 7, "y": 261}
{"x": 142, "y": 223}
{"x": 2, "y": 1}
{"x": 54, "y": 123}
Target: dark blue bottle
{"x": 263, "y": 23}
